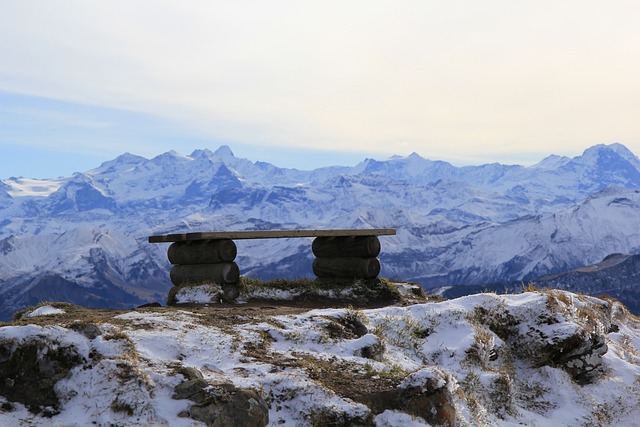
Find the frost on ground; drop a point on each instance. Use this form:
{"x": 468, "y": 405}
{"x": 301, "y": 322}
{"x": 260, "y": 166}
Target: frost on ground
{"x": 535, "y": 359}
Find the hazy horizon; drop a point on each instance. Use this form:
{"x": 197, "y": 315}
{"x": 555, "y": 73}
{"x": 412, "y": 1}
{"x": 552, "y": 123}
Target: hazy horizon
{"x": 313, "y": 84}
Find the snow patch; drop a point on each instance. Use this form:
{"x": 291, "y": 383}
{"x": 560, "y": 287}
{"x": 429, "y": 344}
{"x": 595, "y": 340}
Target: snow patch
{"x": 45, "y": 310}
{"x": 27, "y": 187}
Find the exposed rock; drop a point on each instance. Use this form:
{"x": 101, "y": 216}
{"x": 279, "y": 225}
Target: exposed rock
{"x": 424, "y": 394}
{"x": 89, "y": 330}
{"x": 222, "y": 405}
{"x": 29, "y": 372}
{"x": 230, "y": 292}
{"x": 346, "y": 327}
{"x": 580, "y": 355}
{"x": 553, "y": 338}
{"x": 354, "y": 324}
{"x": 336, "y": 418}
{"x": 195, "y": 390}
{"x": 435, "y": 407}
{"x": 374, "y": 350}
{"x": 190, "y": 373}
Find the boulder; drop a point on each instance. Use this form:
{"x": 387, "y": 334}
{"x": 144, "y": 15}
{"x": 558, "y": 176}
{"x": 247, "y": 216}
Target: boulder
{"x": 580, "y": 356}
{"x": 425, "y": 393}
{"x": 89, "y": 330}
{"x": 30, "y": 370}
{"x": 221, "y": 405}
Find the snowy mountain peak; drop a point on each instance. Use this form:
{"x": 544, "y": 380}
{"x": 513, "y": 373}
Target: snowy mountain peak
{"x": 201, "y": 154}
{"x": 224, "y": 153}
{"x": 81, "y": 193}
{"x": 625, "y": 153}
{"x": 552, "y": 162}
{"x": 615, "y": 150}
{"x": 169, "y": 158}
{"x": 121, "y": 164}
{"x": 621, "y": 149}
{"x": 125, "y": 159}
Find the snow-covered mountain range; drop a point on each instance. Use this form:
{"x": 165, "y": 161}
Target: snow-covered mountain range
{"x": 83, "y": 238}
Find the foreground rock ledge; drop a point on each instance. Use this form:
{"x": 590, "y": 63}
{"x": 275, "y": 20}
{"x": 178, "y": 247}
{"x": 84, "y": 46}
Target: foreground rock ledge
{"x": 527, "y": 359}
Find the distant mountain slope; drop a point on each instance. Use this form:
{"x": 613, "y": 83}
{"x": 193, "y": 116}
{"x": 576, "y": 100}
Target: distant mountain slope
{"x": 618, "y": 275}
{"x": 533, "y": 246}
{"x": 456, "y": 225}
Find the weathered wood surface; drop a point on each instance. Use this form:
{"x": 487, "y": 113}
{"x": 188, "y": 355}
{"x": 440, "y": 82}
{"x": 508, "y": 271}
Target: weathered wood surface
{"x": 346, "y": 247}
{"x": 202, "y": 252}
{"x": 355, "y": 268}
{"x": 223, "y": 273}
{"x": 270, "y": 234}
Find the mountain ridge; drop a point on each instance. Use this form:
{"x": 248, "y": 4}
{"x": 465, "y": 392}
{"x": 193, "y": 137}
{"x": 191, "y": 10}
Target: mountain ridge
{"x": 456, "y": 225}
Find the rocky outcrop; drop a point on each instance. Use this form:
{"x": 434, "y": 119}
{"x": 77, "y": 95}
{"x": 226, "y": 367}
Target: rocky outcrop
{"x": 426, "y": 394}
{"x": 580, "y": 355}
{"x": 221, "y": 405}
{"x": 568, "y": 334}
{"x": 488, "y": 359}
{"x": 30, "y": 370}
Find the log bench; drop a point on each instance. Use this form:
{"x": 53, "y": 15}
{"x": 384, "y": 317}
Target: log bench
{"x": 208, "y": 257}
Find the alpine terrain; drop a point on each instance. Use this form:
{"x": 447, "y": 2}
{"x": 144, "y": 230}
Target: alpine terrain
{"x": 537, "y": 358}
{"x": 83, "y": 238}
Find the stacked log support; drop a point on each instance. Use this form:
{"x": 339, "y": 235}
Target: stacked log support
{"x": 346, "y": 257}
{"x": 202, "y": 252}
{"x": 207, "y": 258}
{"x": 221, "y": 273}
{"x": 203, "y": 262}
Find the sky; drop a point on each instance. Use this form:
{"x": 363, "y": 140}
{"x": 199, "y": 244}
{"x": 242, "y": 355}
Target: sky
{"x": 314, "y": 83}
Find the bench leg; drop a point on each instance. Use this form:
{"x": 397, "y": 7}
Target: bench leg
{"x": 204, "y": 263}
{"x": 352, "y": 257}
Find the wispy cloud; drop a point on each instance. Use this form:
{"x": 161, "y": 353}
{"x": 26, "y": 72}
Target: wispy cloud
{"x": 60, "y": 118}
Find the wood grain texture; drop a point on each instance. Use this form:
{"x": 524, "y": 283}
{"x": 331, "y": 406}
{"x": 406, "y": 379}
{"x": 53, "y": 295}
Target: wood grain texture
{"x": 202, "y": 252}
{"x": 346, "y": 247}
{"x": 270, "y": 234}
{"x": 347, "y": 268}
{"x": 223, "y": 273}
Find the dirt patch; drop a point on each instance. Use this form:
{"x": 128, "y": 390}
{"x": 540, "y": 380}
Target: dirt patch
{"x": 210, "y": 313}
{"x": 346, "y": 379}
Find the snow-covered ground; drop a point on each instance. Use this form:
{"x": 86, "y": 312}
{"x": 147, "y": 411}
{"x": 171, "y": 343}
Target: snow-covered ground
{"x": 500, "y": 360}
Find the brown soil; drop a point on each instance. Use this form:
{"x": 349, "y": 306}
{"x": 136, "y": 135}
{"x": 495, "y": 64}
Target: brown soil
{"x": 251, "y": 310}
{"x": 344, "y": 378}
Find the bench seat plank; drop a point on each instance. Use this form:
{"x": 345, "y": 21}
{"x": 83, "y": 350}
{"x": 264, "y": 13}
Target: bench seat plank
{"x": 271, "y": 234}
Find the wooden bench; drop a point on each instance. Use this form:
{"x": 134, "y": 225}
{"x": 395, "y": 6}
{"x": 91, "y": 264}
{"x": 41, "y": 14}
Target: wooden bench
{"x": 208, "y": 257}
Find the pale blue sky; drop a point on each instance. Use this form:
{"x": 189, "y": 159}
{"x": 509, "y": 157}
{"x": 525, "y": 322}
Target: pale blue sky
{"x": 47, "y": 138}
{"x": 308, "y": 84}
